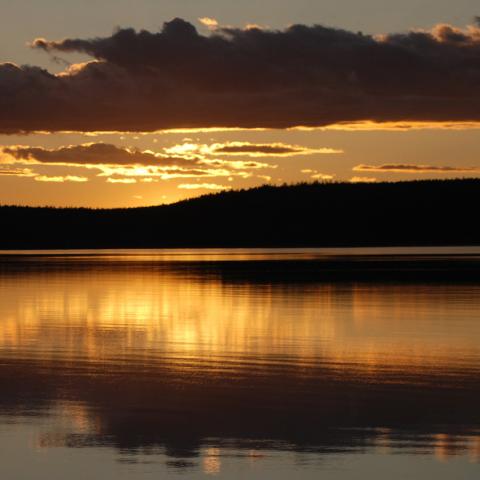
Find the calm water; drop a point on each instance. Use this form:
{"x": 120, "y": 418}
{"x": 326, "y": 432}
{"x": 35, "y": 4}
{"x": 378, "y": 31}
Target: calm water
{"x": 338, "y": 364}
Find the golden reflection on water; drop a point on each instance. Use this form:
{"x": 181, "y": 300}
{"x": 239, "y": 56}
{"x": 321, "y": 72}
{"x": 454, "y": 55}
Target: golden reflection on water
{"x": 118, "y": 339}
{"x": 109, "y": 314}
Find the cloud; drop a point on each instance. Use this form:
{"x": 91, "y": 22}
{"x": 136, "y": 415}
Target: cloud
{"x": 245, "y": 149}
{"x": 203, "y": 186}
{"x": 237, "y": 164}
{"x": 310, "y": 76}
{"x": 322, "y": 176}
{"x": 255, "y": 149}
{"x": 104, "y": 154}
{"x": 210, "y": 23}
{"x": 60, "y": 178}
{"x": 267, "y": 178}
{"x": 121, "y": 180}
{"x": 17, "y": 172}
{"x": 113, "y": 161}
{"x": 93, "y": 154}
{"x": 316, "y": 175}
{"x": 268, "y": 149}
{"x": 255, "y": 26}
{"x": 404, "y": 126}
{"x": 363, "y": 180}
{"x": 411, "y": 168}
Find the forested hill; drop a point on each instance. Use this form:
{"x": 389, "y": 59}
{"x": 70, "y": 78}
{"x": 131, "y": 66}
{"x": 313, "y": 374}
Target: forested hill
{"x": 316, "y": 214}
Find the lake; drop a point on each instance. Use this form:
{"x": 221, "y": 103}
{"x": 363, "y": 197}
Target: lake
{"x": 258, "y": 363}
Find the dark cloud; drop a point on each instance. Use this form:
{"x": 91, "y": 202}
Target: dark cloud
{"x": 267, "y": 149}
{"x": 94, "y": 154}
{"x": 301, "y": 76}
{"x": 258, "y": 148}
{"x": 411, "y": 168}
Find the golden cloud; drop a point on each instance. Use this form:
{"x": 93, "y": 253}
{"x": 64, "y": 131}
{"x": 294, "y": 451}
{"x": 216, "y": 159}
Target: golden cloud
{"x": 203, "y": 186}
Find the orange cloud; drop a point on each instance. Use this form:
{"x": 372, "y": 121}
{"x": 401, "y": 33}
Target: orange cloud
{"x": 121, "y": 180}
{"x": 412, "y": 168}
{"x": 60, "y": 179}
{"x": 209, "y": 22}
{"x": 17, "y": 172}
{"x": 316, "y": 175}
{"x": 203, "y": 186}
{"x": 363, "y": 180}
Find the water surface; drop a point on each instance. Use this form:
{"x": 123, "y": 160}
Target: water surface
{"x": 341, "y": 363}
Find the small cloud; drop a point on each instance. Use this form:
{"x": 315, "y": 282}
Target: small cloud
{"x": 412, "y": 168}
{"x": 255, "y": 26}
{"x": 203, "y": 186}
{"x": 60, "y": 178}
{"x": 237, "y": 164}
{"x": 316, "y": 175}
{"x": 210, "y": 23}
{"x": 267, "y": 178}
{"x": 18, "y": 172}
{"x": 363, "y": 180}
{"x": 121, "y": 180}
{"x": 322, "y": 176}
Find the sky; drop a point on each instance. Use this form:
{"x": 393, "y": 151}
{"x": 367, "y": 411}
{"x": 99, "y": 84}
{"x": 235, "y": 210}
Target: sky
{"x": 128, "y": 103}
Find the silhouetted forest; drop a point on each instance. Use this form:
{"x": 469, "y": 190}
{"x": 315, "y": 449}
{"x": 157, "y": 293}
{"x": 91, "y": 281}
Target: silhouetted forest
{"x": 430, "y": 212}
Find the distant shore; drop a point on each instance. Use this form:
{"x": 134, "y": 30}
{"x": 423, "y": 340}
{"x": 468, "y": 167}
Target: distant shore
{"x": 429, "y": 212}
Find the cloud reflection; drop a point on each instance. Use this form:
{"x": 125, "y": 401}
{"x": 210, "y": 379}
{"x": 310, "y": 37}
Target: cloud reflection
{"x": 187, "y": 361}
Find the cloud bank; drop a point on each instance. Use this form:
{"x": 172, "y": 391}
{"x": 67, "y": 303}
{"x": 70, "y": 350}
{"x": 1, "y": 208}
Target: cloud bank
{"x": 123, "y": 164}
{"x": 246, "y": 78}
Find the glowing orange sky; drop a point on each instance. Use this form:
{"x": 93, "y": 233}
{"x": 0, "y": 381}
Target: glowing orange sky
{"x": 457, "y": 148}
{"x": 195, "y": 162}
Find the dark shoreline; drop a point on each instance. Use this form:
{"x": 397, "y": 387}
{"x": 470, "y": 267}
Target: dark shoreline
{"x": 413, "y": 213}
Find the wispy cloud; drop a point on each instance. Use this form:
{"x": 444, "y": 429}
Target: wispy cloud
{"x": 363, "y": 180}
{"x": 250, "y": 149}
{"x": 316, "y": 175}
{"x": 60, "y": 178}
{"x": 412, "y": 168}
{"x": 203, "y": 186}
{"x": 17, "y": 172}
{"x": 121, "y": 180}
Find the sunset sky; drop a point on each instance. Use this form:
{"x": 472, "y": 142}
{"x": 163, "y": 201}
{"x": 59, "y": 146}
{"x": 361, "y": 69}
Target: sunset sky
{"x": 129, "y": 103}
